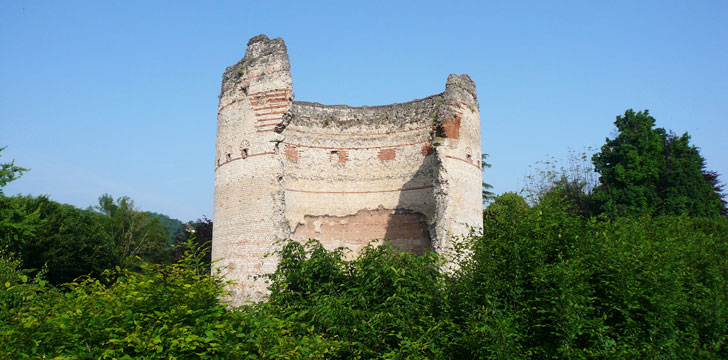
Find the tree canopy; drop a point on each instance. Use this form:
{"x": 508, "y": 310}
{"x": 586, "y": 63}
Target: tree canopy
{"x": 9, "y": 172}
{"x": 646, "y": 170}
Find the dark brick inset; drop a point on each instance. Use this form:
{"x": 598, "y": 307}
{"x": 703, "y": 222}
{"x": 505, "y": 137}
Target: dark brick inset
{"x": 451, "y": 127}
{"x": 386, "y": 154}
{"x": 292, "y": 152}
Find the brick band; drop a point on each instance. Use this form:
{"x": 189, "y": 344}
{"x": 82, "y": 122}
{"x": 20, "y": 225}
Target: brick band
{"x": 240, "y": 157}
{"x": 463, "y": 160}
{"x": 356, "y": 148}
{"x": 360, "y": 192}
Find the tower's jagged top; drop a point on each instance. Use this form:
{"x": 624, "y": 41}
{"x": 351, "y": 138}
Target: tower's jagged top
{"x": 260, "y": 50}
{"x": 255, "y": 39}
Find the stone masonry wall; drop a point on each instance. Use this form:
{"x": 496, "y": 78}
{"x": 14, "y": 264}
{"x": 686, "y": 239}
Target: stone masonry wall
{"x": 248, "y": 208}
{"x": 408, "y": 173}
{"x": 361, "y": 173}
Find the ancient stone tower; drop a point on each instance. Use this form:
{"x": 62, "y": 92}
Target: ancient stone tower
{"x": 343, "y": 175}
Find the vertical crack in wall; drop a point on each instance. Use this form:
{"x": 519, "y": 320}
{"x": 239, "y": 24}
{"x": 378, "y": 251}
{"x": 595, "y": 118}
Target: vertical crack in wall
{"x": 279, "y": 195}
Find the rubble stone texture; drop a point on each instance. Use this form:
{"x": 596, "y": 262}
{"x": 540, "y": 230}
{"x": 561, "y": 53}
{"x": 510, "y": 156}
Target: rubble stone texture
{"x": 409, "y": 173}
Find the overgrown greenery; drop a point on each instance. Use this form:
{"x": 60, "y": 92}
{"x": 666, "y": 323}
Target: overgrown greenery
{"x": 539, "y": 282}
{"x": 633, "y": 267}
{"x": 199, "y": 234}
{"x": 543, "y": 282}
{"x": 136, "y": 234}
{"x": 575, "y": 180}
{"x": 160, "y": 312}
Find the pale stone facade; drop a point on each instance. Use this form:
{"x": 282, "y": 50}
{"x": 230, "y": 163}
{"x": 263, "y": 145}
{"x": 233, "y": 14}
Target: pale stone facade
{"x": 409, "y": 173}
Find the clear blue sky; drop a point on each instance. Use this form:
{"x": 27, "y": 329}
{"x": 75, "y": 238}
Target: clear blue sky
{"x": 120, "y": 97}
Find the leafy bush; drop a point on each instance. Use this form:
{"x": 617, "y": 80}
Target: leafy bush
{"x": 540, "y": 282}
{"x": 549, "y": 284}
{"x": 382, "y": 304}
{"x": 169, "y": 311}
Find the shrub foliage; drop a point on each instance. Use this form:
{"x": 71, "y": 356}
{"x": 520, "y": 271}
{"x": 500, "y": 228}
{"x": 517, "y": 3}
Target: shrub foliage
{"x": 539, "y": 282}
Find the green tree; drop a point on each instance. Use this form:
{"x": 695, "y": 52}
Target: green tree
{"x": 68, "y": 242}
{"x": 9, "y": 172}
{"x": 16, "y": 221}
{"x": 574, "y": 182}
{"x": 713, "y": 178}
{"x": 488, "y": 195}
{"x": 545, "y": 283}
{"x": 506, "y": 207}
{"x": 173, "y": 227}
{"x": 685, "y": 185}
{"x": 65, "y": 241}
{"x": 646, "y": 170}
{"x": 199, "y": 233}
{"x": 134, "y": 232}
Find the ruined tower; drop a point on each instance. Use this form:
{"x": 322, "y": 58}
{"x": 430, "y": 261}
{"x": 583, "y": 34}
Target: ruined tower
{"x": 409, "y": 173}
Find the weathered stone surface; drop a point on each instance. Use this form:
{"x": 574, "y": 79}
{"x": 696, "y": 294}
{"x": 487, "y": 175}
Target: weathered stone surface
{"x": 344, "y": 175}
{"x": 404, "y": 229}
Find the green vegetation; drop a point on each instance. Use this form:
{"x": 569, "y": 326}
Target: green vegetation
{"x": 163, "y": 311}
{"x": 9, "y": 172}
{"x": 136, "y": 234}
{"x": 173, "y": 227}
{"x": 540, "y": 282}
{"x": 199, "y": 234}
{"x": 65, "y": 241}
{"x": 631, "y": 267}
{"x": 543, "y": 282}
{"x": 648, "y": 171}
{"x": 488, "y": 195}
{"x": 643, "y": 171}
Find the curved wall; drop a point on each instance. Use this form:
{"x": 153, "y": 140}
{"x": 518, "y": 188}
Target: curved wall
{"x": 408, "y": 173}
{"x": 356, "y": 174}
{"x": 248, "y": 208}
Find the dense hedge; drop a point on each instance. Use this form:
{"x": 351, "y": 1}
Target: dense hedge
{"x": 169, "y": 311}
{"x": 538, "y": 283}
{"x": 542, "y": 283}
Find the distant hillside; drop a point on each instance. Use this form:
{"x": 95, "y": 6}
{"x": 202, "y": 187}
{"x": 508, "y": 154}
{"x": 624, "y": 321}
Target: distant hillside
{"x": 172, "y": 226}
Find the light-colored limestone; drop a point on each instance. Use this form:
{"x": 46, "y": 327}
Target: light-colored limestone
{"x": 344, "y": 175}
